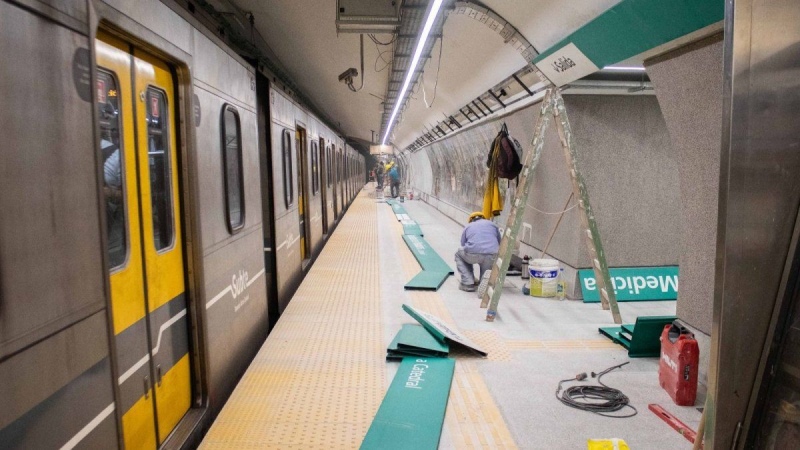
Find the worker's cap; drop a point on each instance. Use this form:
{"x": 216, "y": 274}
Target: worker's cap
{"x": 475, "y": 215}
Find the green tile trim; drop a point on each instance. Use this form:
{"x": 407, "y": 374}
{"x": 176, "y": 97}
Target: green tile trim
{"x": 415, "y": 337}
{"x": 412, "y": 412}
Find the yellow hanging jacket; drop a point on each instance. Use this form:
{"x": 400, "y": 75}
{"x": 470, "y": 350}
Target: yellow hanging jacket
{"x": 492, "y": 201}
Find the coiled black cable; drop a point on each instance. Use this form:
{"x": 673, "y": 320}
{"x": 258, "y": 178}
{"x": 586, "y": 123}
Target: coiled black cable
{"x": 600, "y": 400}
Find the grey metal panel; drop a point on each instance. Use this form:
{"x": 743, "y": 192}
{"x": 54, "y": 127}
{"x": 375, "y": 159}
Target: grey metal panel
{"x": 759, "y": 196}
{"x": 251, "y": 170}
{"x": 211, "y": 200}
{"x": 237, "y": 320}
{"x": 32, "y": 376}
{"x": 71, "y": 14}
{"x": 314, "y": 205}
{"x": 51, "y": 271}
{"x": 158, "y": 18}
{"x": 278, "y": 193}
{"x": 67, "y": 414}
{"x": 281, "y": 108}
{"x": 215, "y": 67}
{"x": 287, "y": 225}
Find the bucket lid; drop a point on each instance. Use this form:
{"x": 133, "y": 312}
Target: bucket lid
{"x": 544, "y": 262}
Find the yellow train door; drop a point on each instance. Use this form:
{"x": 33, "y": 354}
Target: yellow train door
{"x": 324, "y": 181}
{"x": 136, "y": 102}
{"x": 302, "y": 198}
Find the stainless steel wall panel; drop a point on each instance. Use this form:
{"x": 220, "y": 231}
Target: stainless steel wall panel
{"x": 51, "y": 271}
{"x": 758, "y": 206}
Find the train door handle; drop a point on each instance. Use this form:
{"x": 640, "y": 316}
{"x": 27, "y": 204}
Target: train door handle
{"x": 147, "y": 387}
{"x": 158, "y": 375}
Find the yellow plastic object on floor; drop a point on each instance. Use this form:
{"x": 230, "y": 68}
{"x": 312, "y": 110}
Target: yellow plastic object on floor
{"x": 607, "y": 444}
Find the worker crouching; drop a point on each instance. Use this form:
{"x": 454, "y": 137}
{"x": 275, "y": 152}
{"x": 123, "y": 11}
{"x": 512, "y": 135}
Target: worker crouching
{"x": 480, "y": 242}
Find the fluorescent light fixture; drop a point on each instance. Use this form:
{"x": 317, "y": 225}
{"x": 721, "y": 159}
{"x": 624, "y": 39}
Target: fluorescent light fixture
{"x": 624, "y": 68}
{"x": 423, "y": 38}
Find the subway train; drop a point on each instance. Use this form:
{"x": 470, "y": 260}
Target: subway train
{"x": 162, "y": 198}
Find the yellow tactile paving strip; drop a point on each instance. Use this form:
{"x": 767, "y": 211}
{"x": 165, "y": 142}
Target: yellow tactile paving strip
{"x": 320, "y": 377}
{"x": 577, "y": 344}
{"x": 472, "y": 420}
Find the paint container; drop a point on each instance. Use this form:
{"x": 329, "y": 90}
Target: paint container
{"x": 544, "y": 277}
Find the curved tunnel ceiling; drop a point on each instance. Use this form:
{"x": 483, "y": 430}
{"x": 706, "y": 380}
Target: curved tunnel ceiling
{"x": 302, "y": 34}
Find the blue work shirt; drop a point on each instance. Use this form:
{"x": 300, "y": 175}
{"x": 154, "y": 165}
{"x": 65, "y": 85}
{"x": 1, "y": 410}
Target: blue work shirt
{"x": 481, "y": 236}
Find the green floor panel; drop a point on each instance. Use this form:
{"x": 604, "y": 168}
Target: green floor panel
{"x": 642, "y": 338}
{"x": 434, "y": 269}
{"x": 613, "y": 334}
{"x": 425, "y": 255}
{"x": 441, "y": 330}
{"x": 647, "y": 331}
{"x": 414, "y": 337}
{"x": 396, "y": 207}
{"x": 427, "y": 281}
{"x": 412, "y": 229}
{"x": 412, "y": 412}
{"x": 416, "y": 353}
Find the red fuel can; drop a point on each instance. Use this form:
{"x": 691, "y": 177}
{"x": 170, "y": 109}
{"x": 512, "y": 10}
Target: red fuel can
{"x": 678, "y": 365}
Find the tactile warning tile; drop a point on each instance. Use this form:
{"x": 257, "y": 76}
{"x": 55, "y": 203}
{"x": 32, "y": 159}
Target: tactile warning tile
{"x": 576, "y": 344}
{"x": 489, "y": 341}
{"x": 321, "y": 375}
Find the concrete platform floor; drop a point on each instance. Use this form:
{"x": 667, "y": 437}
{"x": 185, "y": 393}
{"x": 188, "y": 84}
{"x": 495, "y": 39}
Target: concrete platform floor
{"x": 533, "y": 343}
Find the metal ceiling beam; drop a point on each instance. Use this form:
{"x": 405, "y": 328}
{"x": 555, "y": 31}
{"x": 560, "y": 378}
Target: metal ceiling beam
{"x": 413, "y": 16}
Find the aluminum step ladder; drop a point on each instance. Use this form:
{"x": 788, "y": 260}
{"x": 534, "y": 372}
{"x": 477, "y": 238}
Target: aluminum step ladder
{"x": 552, "y": 106}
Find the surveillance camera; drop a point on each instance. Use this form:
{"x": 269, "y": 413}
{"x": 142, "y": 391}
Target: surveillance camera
{"x": 348, "y": 75}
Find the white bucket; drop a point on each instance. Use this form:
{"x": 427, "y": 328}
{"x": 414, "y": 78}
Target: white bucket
{"x": 544, "y": 277}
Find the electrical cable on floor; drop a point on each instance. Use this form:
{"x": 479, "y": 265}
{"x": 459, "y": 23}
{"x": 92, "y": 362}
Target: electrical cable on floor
{"x": 600, "y": 400}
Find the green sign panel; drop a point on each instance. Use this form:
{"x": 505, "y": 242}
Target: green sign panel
{"x": 629, "y": 28}
{"x": 633, "y": 283}
{"x": 412, "y": 412}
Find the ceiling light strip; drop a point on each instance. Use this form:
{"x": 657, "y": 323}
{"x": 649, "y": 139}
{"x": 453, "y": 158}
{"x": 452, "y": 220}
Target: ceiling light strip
{"x": 638, "y": 69}
{"x": 423, "y": 38}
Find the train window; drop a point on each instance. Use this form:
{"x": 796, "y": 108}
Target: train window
{"x": 232, "y": 163}
{"x": 314, "y": 167}
{"x": 158, "y": 152}
{"x": 113, "y": 186}
{"x": 286, "y": 151}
